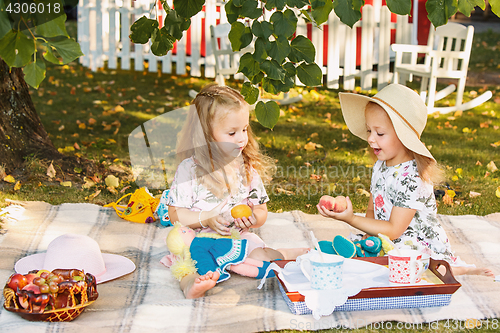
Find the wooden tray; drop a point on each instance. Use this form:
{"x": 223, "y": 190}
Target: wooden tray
{"x": 449, "y": 284}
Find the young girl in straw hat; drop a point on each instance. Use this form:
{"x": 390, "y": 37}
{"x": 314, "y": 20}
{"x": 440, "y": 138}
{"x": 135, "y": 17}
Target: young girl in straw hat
{"x": 220, "y": 167}
{"x": 402, "y": 203}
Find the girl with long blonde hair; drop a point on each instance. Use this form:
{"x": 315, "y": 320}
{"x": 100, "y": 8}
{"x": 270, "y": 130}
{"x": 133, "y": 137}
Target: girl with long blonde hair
{"x": 220, "y": 166}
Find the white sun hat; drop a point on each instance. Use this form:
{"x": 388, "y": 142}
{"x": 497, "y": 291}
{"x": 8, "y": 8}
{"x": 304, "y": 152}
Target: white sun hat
{"x": 404, "y": 106}
{"x": 72, "y": 251}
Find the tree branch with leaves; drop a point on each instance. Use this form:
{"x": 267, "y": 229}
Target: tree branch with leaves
{"x": 279, "y": 57}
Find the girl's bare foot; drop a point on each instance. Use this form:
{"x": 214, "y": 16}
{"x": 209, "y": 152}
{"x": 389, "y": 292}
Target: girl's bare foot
{"x": 201, "y": 284}
{"x": 473, "y": 271}
{"x": 293, "y": 253}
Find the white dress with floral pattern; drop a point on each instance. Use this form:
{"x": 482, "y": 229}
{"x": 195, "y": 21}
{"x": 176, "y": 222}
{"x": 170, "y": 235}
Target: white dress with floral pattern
{"x": 401, "y": 186}
{"x": 186, "y": 192}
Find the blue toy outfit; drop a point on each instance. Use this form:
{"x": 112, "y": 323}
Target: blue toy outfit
{"x": 217, "y": 254}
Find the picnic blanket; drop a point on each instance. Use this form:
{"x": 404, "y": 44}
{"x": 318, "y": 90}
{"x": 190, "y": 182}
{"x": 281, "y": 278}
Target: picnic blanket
{"x": 150, "y": 298}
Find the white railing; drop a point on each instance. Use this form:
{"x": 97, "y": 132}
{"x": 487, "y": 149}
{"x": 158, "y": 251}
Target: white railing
{"x": 104, "y": 27}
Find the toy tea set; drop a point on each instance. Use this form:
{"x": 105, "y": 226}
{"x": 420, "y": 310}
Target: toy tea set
{"x": 395, "y": 281}
{"x": 48, "y": 287}
{"x": 366, "y": 275}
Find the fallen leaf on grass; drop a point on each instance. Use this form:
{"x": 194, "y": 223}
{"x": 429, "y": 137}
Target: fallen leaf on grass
{"x": 364, "y": 192}
{"x": 66, "y": 184}
{"x": 492, "y": 166}
{"x": 473, "y": 194}
{"x": 496, "y": 144}
{"x": 281, "y": 190}
{"x": 310, "y": 146}
{"x": 51, "y": 172}
{"x": 124, "y": 189}
{"x": 473, "y": 323}
{"x": 17, "y": 187}
{"x": 315, "y": 177}
{"x": 112, "y": 190}
{"x": 112, "y": 181}
{"x": 2, "y": 172}
{"x": 92, "y": 196}
{"x": 497, "y": 192}
{"x": 88, "y": 183}
{"x": 9, "y": 179}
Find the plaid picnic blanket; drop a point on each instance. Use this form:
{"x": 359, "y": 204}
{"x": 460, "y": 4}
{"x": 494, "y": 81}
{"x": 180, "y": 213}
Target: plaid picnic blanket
{"x": 150, "y": 298}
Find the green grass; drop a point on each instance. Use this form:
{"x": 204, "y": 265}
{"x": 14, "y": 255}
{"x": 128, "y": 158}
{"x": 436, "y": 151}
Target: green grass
{"x": 96, "y": 111}
{"x": 73, "y": 95}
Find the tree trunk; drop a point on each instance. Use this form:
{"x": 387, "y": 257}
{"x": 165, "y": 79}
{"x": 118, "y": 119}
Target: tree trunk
{"x": 21, "y": 131}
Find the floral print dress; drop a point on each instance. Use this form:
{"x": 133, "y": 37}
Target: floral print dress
{"x": 186, "y": 192}
{"x": 401, "y": 186}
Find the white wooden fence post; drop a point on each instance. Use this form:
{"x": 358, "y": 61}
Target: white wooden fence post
{"x": 367, "y": 38}
{"x": 333, "y": 70}
{"x": 383, "y": 69}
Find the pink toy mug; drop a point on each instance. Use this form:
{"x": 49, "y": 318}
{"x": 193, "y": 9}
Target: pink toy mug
{"x": 405, "y": 266}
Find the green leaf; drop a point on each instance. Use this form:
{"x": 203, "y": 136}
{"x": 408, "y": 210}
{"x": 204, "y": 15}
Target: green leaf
{"x": 285, "y": 24}
{"x": 400, "y": 7}
{"x": 34, "y": 73}
{"x": 188, "y": 8}
{"x": 495, "y": 7}
{"x": 278, "y": 4}
{"x": 276, "y": 86}
{"x": 467, "y": 6}
{"x": 67, "y": 48}
{"x": 267, "y": 114}
{"x": 348, "y": 11}
{"x": 53, "y": 28}
{"x": 161, "y": 42}
{"x": 257, "y": 78}
{"x": 250, "y": 9}
{"x": 248, "y": 66}
{"x": 49, "y": 56}
{"x": 142, "y": 29}
{"x": 321, "y": 13}
{"x": 273, "y": 70}
{"x": 290, "y": 69}
{"x": 250, "y": 92}
{"x": 271, "y": 86}
{"x": 310, "y": 74}
{"x": 302, "y": 50}
{"x": 280, "y": 48}
{"x": 232, "y": 12}
{"x": 176, "y": 25}
{"x": 240, "y": 36}
{"x": 5, "y": 26}
{"x": 440, "y": 10}
{"x": 260, "y": 53}
{"x": 16, "y": 49}
{"x": 239, "y": 3}
{"x": 262, "y": 29}
{"x": 297, "y": 3}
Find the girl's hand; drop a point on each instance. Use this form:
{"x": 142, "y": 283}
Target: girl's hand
{"x": 347, "y": 215}
{"x": 213, "y": 219}
{"x": 246, "y": 223}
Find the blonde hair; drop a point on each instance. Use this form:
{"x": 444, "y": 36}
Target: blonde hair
{"x": 428, "y": 169}
{"x": 196, "y": 140}
{"x": 175, "y": 244}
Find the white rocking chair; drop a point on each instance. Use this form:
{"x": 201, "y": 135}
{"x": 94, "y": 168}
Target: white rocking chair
{"x": 227, "y": 60}
{"x": 449, "y": 59}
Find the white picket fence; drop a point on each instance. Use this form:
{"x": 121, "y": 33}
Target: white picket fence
{"x": 104, "y": 27}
